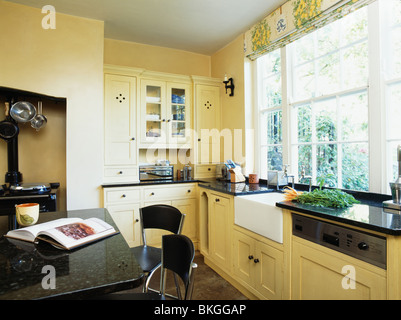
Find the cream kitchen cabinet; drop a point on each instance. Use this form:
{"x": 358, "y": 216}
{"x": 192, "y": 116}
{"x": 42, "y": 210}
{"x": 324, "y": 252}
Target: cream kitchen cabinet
{"x": 318, "y": 273}
{"x": 120, "y": 119}
{"x": 123, "y": 205}
{"x": 165, "y": 113}
{"x": 207, "y": 125}
{"x": 220, "y": 224}
{"x": 183, "y": 197}
{"x": 258, "y": 266}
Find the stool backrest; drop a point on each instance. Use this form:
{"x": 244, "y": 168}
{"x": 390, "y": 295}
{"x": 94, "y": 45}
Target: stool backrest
{"x": 178, "y": 253}
{"x": 161, "y": 216}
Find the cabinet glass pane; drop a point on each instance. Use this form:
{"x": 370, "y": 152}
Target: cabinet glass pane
{"x": 153, "y": 94}
{"x": 153, "y": 128}
{"x": 178, "y": 96}
{"x": 178, "y": 129}
{"x": 178, "y": 112}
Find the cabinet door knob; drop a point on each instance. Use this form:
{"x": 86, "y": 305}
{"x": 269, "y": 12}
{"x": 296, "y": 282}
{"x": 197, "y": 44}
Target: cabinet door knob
{"x": 250, "y": 257}
{"x": 256, "y": 260}
{"x": 217, "y": 200}
{"x": 164, "y": 120}
{"x": 136, "y": 220}
{"x": 120, "y": 172}
{"x": 168, "y": 120}
{"x": 189, "y": 191}
{"x": 199, "y": 139}
{"x": 123, "y": 196}
{"x": 133, "y": 138}
{"x": 152, "y": 194}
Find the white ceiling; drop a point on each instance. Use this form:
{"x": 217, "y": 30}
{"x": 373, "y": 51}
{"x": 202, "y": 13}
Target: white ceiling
{"x": 201, "y": 26}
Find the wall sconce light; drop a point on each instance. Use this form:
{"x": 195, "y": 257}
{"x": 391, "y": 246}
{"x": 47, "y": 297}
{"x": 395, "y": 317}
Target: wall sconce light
{"x": 229, "y": 84}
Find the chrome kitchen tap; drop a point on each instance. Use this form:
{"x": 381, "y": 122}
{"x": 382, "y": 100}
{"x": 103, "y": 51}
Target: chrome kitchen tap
{"x": 289, "y": 176}
{"x": 306, "y": 177}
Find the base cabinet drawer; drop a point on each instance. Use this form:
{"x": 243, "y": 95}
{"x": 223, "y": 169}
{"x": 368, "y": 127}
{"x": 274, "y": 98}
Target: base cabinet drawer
{"x": 169, "y": 192}
{"x": 123, "y": 195}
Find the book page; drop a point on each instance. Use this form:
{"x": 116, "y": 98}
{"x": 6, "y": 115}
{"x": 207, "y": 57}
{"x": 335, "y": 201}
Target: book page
{"x": 30, "y": 233}
{"x": 79, "y": 232}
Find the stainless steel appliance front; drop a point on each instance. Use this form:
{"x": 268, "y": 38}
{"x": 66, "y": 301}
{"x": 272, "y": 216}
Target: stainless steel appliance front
{"x": 363, "y": 246}
{"x": 151, "y": 172}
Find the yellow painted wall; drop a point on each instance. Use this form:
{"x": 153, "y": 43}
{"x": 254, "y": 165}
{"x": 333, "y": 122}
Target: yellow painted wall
{"x": 155, "y": 58}
{"x": 65, "y": 62}
{"x": 230, "y": 60}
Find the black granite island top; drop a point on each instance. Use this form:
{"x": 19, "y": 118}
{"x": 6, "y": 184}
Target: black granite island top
{"x": 365, "y": 216}
{"x": 98, "y": 268}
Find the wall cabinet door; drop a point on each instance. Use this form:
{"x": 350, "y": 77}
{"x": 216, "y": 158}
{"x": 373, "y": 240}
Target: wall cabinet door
{"x": 120, "y": 120}
{"x": 126, "y": 218}
{"x": 219, "y": 231}
{"x": 317, "y": 273}
{"x": 166, "y": 113}
{"x": 208, "y": 123}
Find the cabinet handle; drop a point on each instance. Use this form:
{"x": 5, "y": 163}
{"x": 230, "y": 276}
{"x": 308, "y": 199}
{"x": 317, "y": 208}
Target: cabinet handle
{"x": 209, "y": 169}
{"x": 189, "y": 191}
{"x": 152, "y": 194}
{"x": 199, "y": 139}
{"x": 164, "y": 120}
{"x": 133, "y": 138}
{"x": 120, "y": 172}
{"x": 250, "y": 257}
{"x": 168, "y": 120}
{"x": 136, "y": 220}
{"x": 256, "y": 260}
{"x": 217, "y": 200}
{"x": 123, "y": 196}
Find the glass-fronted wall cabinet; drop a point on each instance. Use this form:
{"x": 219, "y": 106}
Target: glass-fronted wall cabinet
{"x": 165, "y": 113}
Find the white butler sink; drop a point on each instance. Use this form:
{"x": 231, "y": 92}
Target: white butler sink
{"x": 258, "y": 213}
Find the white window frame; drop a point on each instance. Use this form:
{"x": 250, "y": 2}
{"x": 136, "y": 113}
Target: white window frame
{"x": 377, "y": 139}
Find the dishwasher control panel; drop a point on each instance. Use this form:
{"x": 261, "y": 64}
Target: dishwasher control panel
{"x": 361, "y": 245}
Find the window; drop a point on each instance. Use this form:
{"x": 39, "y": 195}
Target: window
{"x": 329, "y": 103}
{"x": 392, "y": 72}
{"x": 338, "y": 93}
{"x": 270, "y": 112}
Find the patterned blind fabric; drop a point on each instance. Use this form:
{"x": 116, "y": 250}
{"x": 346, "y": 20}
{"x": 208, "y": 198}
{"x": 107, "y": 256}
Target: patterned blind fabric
{"x": 294, "y": 19}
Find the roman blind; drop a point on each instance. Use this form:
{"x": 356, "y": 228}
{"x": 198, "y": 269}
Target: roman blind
{"x": 292, "y": 20}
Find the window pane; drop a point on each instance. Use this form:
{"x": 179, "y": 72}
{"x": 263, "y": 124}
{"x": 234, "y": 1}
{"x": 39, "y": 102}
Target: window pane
{"x": 304, "y": 123}
{"x": 305, "y": 159}
{"x": 326, "y": 123}
{"x": 355, "y": 66}
{"x": 354, "y": 27}
{"x": 327, "y": 163}
{"x": 304, "y": 49}
{"x": 272, "y": 91}
{"x": 392, "y": 147}
{"x": 304, "y": 81}
{"x": 328, "y": 79}
{"x": 355, "y": 166}
{"x": 275, "y": 158}
{"x": 354, "y": 117}
{"x": 328, "y": 39}
{"x": 274, "y": 132}
{"x": 394, "y": 111}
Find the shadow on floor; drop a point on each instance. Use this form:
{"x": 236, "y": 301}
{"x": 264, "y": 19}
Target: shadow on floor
{"x": 208, "y": 284}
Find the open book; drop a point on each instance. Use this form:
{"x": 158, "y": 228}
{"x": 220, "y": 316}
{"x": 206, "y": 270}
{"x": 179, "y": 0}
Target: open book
{"x": 65, "y": 233}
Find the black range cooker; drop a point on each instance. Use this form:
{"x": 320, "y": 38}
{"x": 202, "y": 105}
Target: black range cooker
{"x": 14, "y": 191}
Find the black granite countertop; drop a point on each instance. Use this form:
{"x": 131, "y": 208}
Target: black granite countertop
{"x": 368, "y": 215}
{"x": 95, "y": 269}
{"x": 235, "y": 189}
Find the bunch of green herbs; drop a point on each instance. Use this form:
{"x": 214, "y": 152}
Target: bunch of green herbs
{"x": 331, "y": 198}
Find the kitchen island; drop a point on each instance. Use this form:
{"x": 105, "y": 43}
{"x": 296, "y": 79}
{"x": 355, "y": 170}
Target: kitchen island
{"x": 98, "y": 268}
